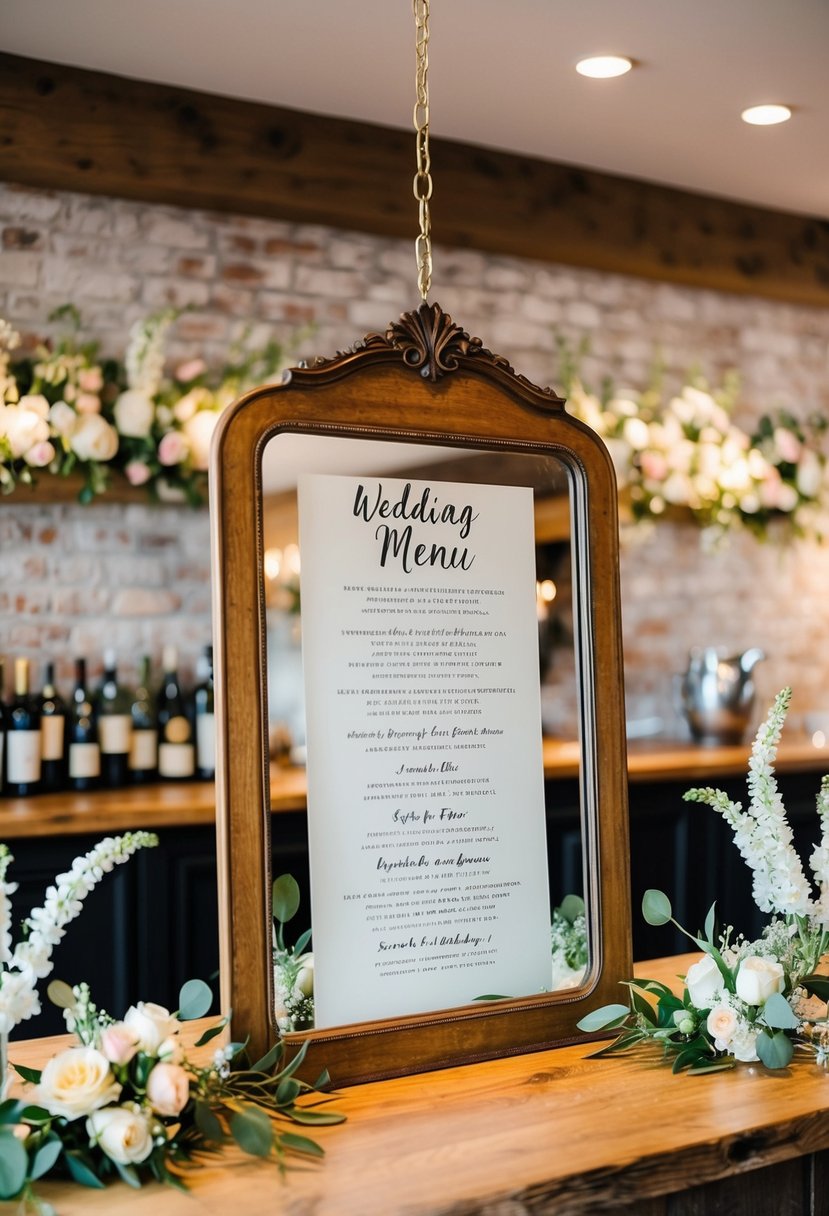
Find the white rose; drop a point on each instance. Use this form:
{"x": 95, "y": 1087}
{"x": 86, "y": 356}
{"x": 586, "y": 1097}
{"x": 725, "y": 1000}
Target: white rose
{"x": 809, "y": 475}
{"x": 199, "y": 431}
{"x": 77, "y": 1081}
{"x": 635, "y": 433}
{"x": 703, "y": 982}
{"x": 152, "y": 1024}
{"x": 23, "y": 428}
{"x": 35, "y": 402}
{"x": 305, "y": 976}
{"x": 134, "y": 413}
{"x": 758, "y": 978}
{"x": 722, "y": 1025}
{"x": 122, "y": 1133}
{"x": 168, "y": 1089}
{"x": 93, "y": 438}
{"x": 62, "y": 418}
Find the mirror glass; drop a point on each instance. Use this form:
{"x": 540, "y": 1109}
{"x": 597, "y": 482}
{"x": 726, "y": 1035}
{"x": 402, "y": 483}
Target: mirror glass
{"x": 435, "y": 764}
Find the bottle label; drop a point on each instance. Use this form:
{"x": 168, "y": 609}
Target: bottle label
{"x": 176, "y": 759}
{"x": 84, "y": 760}
{"x": 23, "y": 756}
{"x": 206, "y": 740}
{"x": 143, "y": 750}
{"x": 51, "y": 736}
{"x": 177, "y": 730}
{"x": 114, "y": 732}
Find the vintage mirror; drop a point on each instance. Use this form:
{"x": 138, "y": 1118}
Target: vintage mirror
{"x": 420, "y": 477}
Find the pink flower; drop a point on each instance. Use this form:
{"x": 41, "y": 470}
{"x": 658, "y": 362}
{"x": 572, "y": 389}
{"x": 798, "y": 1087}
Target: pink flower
{"x": 118, "y": 1043}
{"x": 168, "y": 1089}
{"x": 90, "y": 380}
{"x": 88, "y": 403}
{"x": 173, "y": 448}
{"x": 653, "y": 465}
{"x": 40, "y": 454}
{"x": 189, "y": 370}
{"x": 137, "y": 473}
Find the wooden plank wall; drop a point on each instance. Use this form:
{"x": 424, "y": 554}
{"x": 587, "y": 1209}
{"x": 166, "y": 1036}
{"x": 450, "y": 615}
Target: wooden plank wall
{"x": 66, "y": 128}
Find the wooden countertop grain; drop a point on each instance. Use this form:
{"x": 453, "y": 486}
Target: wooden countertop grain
{"x": 547, "y": 1132}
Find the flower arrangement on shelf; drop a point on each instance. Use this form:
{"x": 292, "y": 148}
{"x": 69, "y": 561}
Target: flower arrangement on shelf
{"x": 63, "y": 410}
{"x": 685, "y": 452}
{"x": 744, "y": 1000}
{"x": 126, "y": 1101}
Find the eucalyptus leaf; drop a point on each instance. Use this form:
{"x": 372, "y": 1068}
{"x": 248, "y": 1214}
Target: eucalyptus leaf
{"x": 28, "y": 1074}
{"x": 60, "y": 994}
{"x": 207, "y": 1123}
{"x": 711, "y": 922}
{"x": 128, "y": 1175}
{"x": 10, "y": 1111}
{"x": 774, "y": 1050}
{"x": 571, "y": 907}
{"x": 288, "y": 1091}
{"x": 656, "y": 907}
{"x": 713, "y": 1065}
{"x": 626, "y": 1040}
{"x": 603, "y": 1018}
{"x": 14, "y": 1164}
{"x": 269, "y": 1059}
{"x": 290, "y": 1069}
{"x": 285, "y": 898}
{"x": 301, "y": 1144}
{"x": 81, "y": 1172}
{"x": 194, "y": 1000}
{"x": 778, "y": 1013}
{"x": 252, "y": 1130}
{"x": 211, "y": 1033}
{"x": 45, "y": 1157}
{"x": 302, "y": 941}
{"x": 301, "y": 1114}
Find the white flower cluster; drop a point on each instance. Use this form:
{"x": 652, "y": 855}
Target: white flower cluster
{"x": 31, "y": 959}
{"x": 763, "y": 834}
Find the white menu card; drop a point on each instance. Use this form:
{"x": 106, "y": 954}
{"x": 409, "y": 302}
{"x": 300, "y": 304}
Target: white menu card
{"x": 426, "y": 823}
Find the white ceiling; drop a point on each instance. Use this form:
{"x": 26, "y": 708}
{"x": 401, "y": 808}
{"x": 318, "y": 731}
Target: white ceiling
{"x": 501, "y": 75}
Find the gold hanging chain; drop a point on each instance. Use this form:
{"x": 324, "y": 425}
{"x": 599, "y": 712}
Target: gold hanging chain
{"x": 423, "y": 179}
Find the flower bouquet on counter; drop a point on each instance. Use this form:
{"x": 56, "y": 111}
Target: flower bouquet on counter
{"x": 127, "y": 1102}
{"x": 744, "y": 1000}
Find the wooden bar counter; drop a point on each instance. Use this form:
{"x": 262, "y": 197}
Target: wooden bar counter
{"x": 548, "y": 1134}
{"x": 193, "y": 803}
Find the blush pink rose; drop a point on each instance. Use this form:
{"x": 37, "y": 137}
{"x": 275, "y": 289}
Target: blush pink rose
{"x": 88, "y": 403}
{"x": 118, "y": 1043}
{"x": 137, "y": 473}
{"x": 168, "y": 1089}
{"x": 189, "y": 370}
{"x": 173, "y": 448}
{"x": 90, "y": 380}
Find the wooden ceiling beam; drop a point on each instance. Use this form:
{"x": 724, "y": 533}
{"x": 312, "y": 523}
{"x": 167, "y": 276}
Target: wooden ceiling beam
{"x": 70, "y": 129}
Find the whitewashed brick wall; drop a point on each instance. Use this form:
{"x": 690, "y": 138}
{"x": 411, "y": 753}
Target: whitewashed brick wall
{"x": 70, "y": 576}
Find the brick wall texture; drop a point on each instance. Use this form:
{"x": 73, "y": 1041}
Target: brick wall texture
{"x": 73, "y": 579}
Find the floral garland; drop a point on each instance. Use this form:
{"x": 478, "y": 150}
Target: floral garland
{"x": 744, "y": 1000}
{"x": 685, "y": 452}
{"x": 66, "y": 411}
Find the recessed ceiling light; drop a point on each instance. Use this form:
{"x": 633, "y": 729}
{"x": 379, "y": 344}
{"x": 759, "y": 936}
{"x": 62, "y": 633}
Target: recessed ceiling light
{"x": 600, "y": 67}
{"x": 766, "y": 116}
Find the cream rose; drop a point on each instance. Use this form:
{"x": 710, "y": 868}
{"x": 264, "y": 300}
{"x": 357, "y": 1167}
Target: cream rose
{"x": 62, "y": 418}
{"x": 122, "y": 1133}
{"x": 134, "y": 413}
{"x": 92, "y": 438}
{"x": 88, "y": 403}
{"x": 758, "y": 978}
{"x": 305, "y": 978}
{"x": 118, "y": 1043}
{"x": 152, "y": 1024}
{"x": 704, "y": 982}
{"x": 77, "y": 1081}
{"x": 91, "y": 380}
{"x": 199, "y": 431}
{"x": 722, "y": 1025}
{"x": 23, "y": 428}
{"x": 168, "y": 1089}
{"x": 35, "y": 402}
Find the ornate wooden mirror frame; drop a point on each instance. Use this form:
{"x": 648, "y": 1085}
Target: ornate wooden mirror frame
{"x": 424, "y": 381}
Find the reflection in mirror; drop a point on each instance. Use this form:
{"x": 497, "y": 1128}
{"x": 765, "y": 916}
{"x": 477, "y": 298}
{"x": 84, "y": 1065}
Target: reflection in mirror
{"x": 431, "y": 850}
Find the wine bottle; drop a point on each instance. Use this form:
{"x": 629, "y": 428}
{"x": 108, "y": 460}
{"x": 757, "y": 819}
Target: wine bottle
{"x": 205, "y": 718}
{"x": 82, "y": 735}
{"x": 52, "y": 734}
{"x": 2, "y": 723}
{"x": 114, "y": 713}
{"x": 22, "y": 737}
{"x": 144, "y": 743}
{"x": 176, "y": 753}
